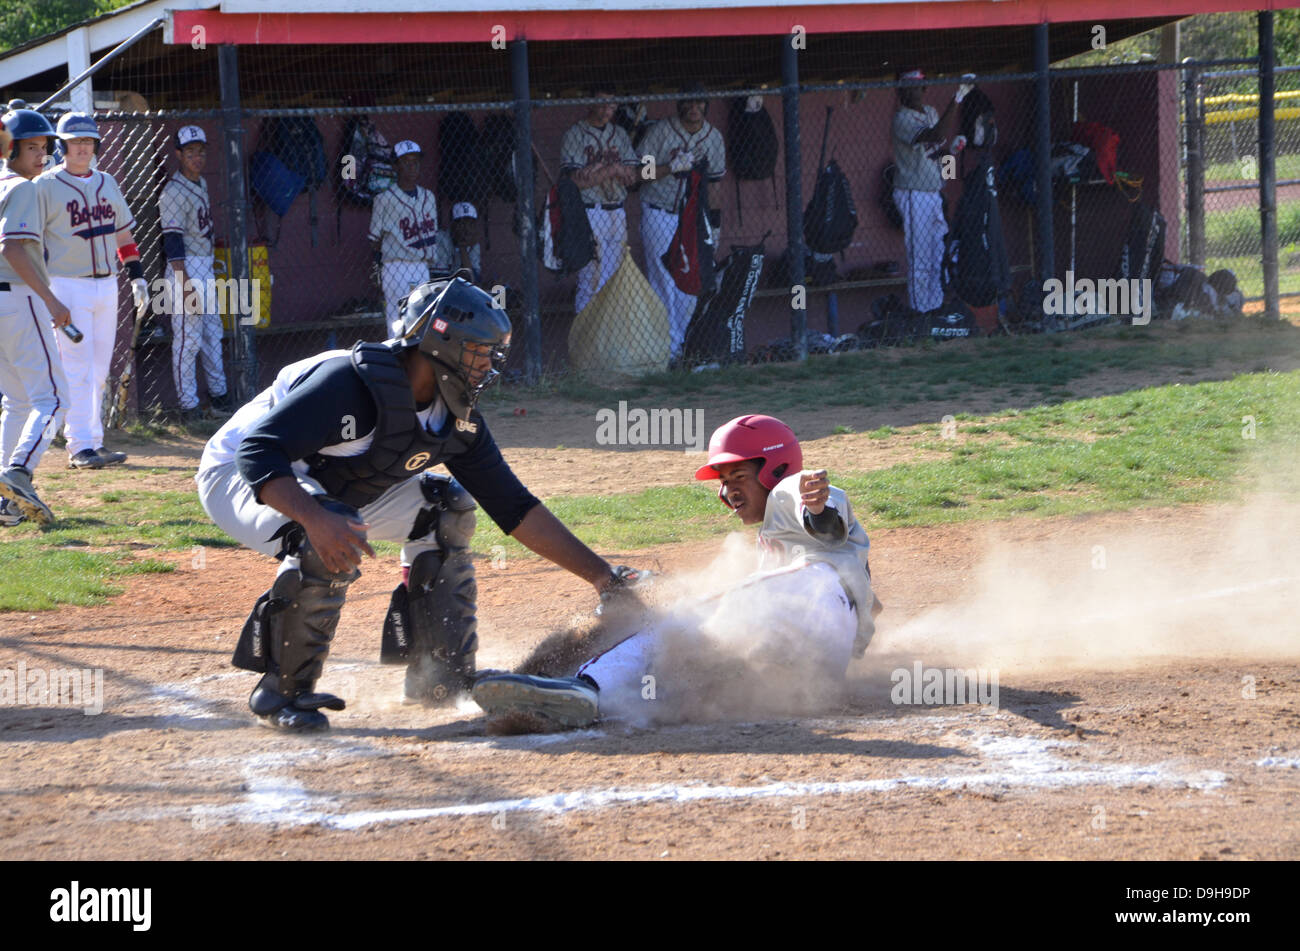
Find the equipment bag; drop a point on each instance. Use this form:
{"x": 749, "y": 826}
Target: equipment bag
{"x": 1144, "y": 247}
{"x": 831, "y": 217}
{"x": 716, "y": 333}
{"x": 689, "y": 258}
{"x": 566, "y": 244}
{"x": 754, "y": 145}
{"x": 364, "y": 169}
{"x": 1104, "y": 142}
{"x": 975, "y": 264}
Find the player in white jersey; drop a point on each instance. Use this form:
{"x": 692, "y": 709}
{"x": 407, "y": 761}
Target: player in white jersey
{"x": 807, "y": 610}
{"x": 87, "y": 232}
{"x": 677, "y": 144}
{"x": 598, "y": 156}
{"x": 31, "y": 375}
{"x": 186, "y": 215}
{"x": 403, "y": 233}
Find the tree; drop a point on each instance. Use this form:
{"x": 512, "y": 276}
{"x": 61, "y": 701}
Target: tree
{"x": 22, "y": 21}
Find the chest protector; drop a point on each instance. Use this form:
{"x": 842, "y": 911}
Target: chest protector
{"x": 401, "y": 447}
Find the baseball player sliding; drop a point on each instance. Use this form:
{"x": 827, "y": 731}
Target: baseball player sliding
{"x": 87, "y": 233}
{"x": 812, "y": 589}
{"x": 335, "y": 453}
{"x": 186, "y": 216}
{"x": 403, "y": 233}
{"x": 31, "y": 374}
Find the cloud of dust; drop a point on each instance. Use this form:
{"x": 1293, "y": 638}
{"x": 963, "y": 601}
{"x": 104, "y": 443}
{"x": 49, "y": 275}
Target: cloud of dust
{"x": 1204, "y": 582}
{"x": 721, "y": 653}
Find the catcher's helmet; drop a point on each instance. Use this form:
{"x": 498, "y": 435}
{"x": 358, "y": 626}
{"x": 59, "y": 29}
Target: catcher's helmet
{"x": 456, "y": 325}
{"x": 764, "y": 438}
{"x": 23, "y": 123}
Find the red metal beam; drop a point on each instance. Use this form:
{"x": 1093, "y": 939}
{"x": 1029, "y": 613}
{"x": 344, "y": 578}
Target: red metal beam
{"x": 475, "y": 27}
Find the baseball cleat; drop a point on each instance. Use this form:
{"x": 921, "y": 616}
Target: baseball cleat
{"x": 110, "y": 457}
{"x": 566, "y": 701}
{"x": 16, "y": 486}
{"x": 9, "y": 514}
{"x": 86, "y": 459}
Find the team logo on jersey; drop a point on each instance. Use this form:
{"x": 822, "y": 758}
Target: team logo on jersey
{"x": 417, "y": 461}
{"x": 465, "y": 426}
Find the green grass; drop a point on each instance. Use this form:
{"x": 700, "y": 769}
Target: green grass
{"x": 1159, "y": 446}
{"x": 44, "y": 580}
{"x": 1236, "y": 231}
{"x": 1250, "y": 270}
{"x": 1044, "y": 366}
{"x": 1288, "y": 166}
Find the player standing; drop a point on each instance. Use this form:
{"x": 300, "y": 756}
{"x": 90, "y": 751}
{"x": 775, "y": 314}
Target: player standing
{"x": 31, "y": 375}
{"x": 812, "y": 588}
{"x": 597, "y": 154}
{"x": 87, "y": 226}
{"x": 336, "y": 452}
{"x": 677, "y": 144}
{"x": 186, "y": 215}
{"x": 403, "y": 233}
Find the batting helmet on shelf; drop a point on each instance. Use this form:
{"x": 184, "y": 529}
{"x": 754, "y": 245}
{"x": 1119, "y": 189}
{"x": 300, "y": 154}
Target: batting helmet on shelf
{"x": 764, "y": 438}
{"x": 23, "y": 123}
{"x": 455, "y": 325}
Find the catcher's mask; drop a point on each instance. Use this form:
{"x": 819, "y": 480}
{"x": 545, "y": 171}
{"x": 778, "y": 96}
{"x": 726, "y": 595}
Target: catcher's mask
{"x": 461, "y": 330}
{"x": 764, "y": 438}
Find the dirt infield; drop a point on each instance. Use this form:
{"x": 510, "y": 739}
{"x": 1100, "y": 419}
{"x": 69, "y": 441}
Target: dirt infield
{"x": 1153, "y": 734}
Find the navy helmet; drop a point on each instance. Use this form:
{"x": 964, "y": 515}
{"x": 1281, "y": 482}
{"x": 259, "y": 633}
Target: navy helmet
{"x": 452, "y": 322}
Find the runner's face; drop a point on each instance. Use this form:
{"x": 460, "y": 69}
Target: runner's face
{"x": 743, "y": 491}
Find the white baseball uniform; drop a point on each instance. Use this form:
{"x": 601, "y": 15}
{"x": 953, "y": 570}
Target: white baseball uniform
{"x": 196, "y": 337}
{"x": 661, "y": 203}
{"x": 917, "y": 184}
{"x": 406, "y": 225}
{"x": 806, "y": 610}
{"x": 585, "y": 144}
{"x": 83, "y": 216}
{"x": 31, "y": 374}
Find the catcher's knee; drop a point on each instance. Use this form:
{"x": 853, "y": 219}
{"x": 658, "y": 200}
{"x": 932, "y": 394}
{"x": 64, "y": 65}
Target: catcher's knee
{"x": 448, "y": 514}
{"x": 432, "y": 625}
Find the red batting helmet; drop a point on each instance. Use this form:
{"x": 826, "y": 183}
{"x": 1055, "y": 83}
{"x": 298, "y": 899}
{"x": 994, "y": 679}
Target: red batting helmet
{"x": 764, "y": 438}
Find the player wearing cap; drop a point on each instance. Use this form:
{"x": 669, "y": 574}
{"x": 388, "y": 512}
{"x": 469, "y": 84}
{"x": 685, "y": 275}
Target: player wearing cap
{"x": 677, "y": 144}
{"x": 919, "y": 133}
{"x": 459, "y": 248}
{"x": 812, "y": 589}
{"x": 598, "y": 155}
{"x": 87, "y": 234}
{"x": 336, "y": 452}
{"x": 31, "y": 374}
{"x": 186, "y": 215}
{"x": 403, "y": 233}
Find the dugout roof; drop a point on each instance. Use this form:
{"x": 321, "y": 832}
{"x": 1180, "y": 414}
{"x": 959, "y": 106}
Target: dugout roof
{"x": 330, "y": 48}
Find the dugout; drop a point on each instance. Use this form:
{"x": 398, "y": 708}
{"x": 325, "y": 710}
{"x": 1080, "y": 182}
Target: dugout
{"x": 233, "y": 66}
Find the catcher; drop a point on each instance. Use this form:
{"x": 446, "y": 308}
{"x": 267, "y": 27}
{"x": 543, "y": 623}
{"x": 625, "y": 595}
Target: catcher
{"x": 800, "y": 617}
{"x": 335, "y": 452}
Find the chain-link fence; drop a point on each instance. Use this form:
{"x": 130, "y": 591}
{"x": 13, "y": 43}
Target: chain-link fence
{"x": 1224, "y": 110}
{"x": 662, "y": 216}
